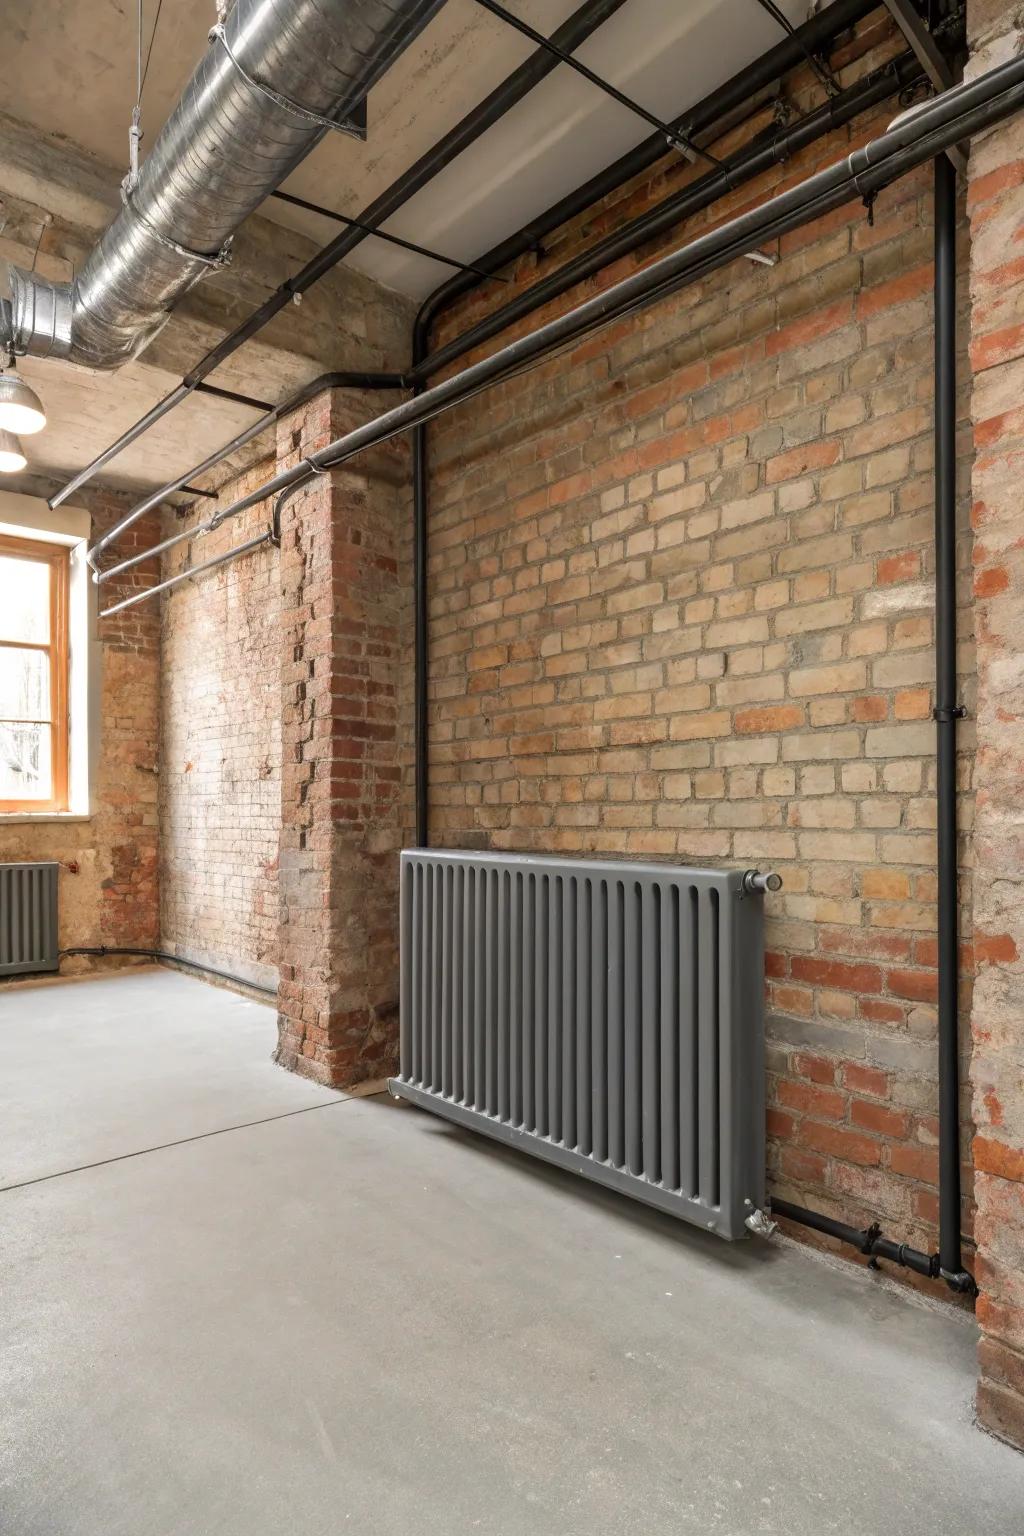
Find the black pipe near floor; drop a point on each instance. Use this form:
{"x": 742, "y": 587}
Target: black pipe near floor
{"x": 99, "y": 951}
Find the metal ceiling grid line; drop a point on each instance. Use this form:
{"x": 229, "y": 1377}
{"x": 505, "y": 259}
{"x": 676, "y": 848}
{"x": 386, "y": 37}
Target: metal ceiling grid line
{"x": 672, "y": 134}
{"x": 383, "y": 234}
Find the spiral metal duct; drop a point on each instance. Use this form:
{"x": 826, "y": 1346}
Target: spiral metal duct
{"x": 277, "y": 76}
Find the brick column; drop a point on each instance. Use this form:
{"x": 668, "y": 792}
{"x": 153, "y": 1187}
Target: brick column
{"x": 996, "y": 203}
{"x": 338, "y": 998}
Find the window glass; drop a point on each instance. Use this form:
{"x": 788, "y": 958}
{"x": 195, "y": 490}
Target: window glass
{"x": 24, "y": 684}
{"x": 24, "y": 600}
{"x": 25, "y": 770}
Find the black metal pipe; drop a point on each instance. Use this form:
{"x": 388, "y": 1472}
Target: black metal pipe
{"x": 101, "y": 950}
{"x": 867, "y": 1240}
{"x": 421, "y": 634}
{"x": 232, "y": 395}
{"x": 575, "y": 30}
{"x": 946, "y": 714}
{"x": 767, "y": 150}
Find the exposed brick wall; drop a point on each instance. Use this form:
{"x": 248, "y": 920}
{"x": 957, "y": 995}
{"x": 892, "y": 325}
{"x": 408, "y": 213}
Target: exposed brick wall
{"x": 996, "y": 203}
{"x": 220, "y": 779}
{"x": 111, "y": 899}
{"x": 342, "y": 613}
{"x": 682, "y": 608}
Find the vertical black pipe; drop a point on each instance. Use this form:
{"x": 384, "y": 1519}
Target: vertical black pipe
{"x": 419, "y": 484}
{"x": 946, "y": 713}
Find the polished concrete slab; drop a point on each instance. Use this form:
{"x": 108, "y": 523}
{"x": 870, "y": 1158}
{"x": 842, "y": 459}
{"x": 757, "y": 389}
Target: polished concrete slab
{"x": 361, "y": 1318}
{"x": 97, "y": 1068}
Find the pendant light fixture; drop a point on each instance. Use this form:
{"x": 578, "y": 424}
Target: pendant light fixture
{"x": 11, "y": 456}
{"x": 21, "y": 409}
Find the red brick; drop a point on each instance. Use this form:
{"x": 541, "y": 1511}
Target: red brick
{"x": 862, "y": 1079}
{"x": 810, "y": 1099}
{"x": 878, "y": 1118}
{"x": 850, "y": 1146}
{"x": 846, "y": 975}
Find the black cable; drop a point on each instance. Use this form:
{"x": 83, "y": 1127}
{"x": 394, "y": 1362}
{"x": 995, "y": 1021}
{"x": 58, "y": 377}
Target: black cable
{"x": 100, "y": 950}
{"x": 152, "y": 40}
{"x": 824, "y": 74}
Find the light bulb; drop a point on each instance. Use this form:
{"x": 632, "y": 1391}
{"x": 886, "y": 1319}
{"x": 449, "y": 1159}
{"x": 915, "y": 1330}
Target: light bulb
{"x": 11, "y": 457}
{"x": 21, "y": 409}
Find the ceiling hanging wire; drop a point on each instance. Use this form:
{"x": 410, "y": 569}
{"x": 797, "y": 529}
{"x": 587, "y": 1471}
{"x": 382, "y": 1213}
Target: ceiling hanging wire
{"x": 131, "y": 181}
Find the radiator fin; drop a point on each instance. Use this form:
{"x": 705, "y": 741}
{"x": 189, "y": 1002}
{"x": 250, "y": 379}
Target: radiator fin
{"x": 602, "y": 1016}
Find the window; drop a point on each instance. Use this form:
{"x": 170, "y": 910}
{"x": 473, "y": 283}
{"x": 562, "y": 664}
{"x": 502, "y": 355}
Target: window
{"x": 33, "y": 675}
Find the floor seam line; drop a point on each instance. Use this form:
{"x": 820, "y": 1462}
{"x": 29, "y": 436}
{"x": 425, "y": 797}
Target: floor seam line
{"x": 182, "y": 1141}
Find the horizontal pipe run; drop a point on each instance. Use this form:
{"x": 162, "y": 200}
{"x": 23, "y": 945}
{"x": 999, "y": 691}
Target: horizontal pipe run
{"x": 194, "y": 570}
{"x": 575, "y": 30}
{"x": 742, "y": 167}
{"x": 337, "y": 380}
{"x": 867, "y": 1240}
{"x": 950, "y": 117}
{"x": 102, "y": 950}
{"x": 179, "y": 393}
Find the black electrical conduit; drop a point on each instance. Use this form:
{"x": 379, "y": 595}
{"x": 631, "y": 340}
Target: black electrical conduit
{"x": 101, "y": 950}
{"x": 575, "y": 30}
{"x": 984, "y": 102}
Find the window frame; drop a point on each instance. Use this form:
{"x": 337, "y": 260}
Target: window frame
{"x": 57, "y": 648}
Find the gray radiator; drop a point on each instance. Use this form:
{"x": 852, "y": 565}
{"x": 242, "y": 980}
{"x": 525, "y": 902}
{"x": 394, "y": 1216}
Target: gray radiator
{"x": 606, "y": 1017}
{"x": 28, "y": 918}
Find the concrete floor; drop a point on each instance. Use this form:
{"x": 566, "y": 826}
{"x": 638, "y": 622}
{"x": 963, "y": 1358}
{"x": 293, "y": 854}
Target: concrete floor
{"x": 351, "y": 1316}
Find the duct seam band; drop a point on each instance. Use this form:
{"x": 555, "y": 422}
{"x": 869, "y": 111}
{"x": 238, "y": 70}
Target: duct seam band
{"x": 222, "y": 258}
{"x": 342, "y": 125}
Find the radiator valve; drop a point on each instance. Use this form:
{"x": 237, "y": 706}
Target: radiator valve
{"x": 753, "y": 881}
{"x": 760, "y": 1223}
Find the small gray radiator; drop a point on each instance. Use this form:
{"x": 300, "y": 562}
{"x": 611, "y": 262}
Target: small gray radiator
{"x": 604, "y": 1016}
{"x": 28, "y": 918}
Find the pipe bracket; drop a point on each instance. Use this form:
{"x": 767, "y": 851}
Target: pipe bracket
{"x": 946, "y": 712}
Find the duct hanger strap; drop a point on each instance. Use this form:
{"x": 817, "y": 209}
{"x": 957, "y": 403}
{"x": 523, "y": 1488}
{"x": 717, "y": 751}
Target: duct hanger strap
{"x": 353, "y": 124}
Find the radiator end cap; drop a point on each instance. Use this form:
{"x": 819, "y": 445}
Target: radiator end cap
{"x": 755, "y": 881}
{"x": 760, "y": 1223}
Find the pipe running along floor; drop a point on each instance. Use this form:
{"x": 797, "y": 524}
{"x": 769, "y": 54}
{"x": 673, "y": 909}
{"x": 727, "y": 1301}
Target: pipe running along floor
{"x": 266, "y": 1307}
